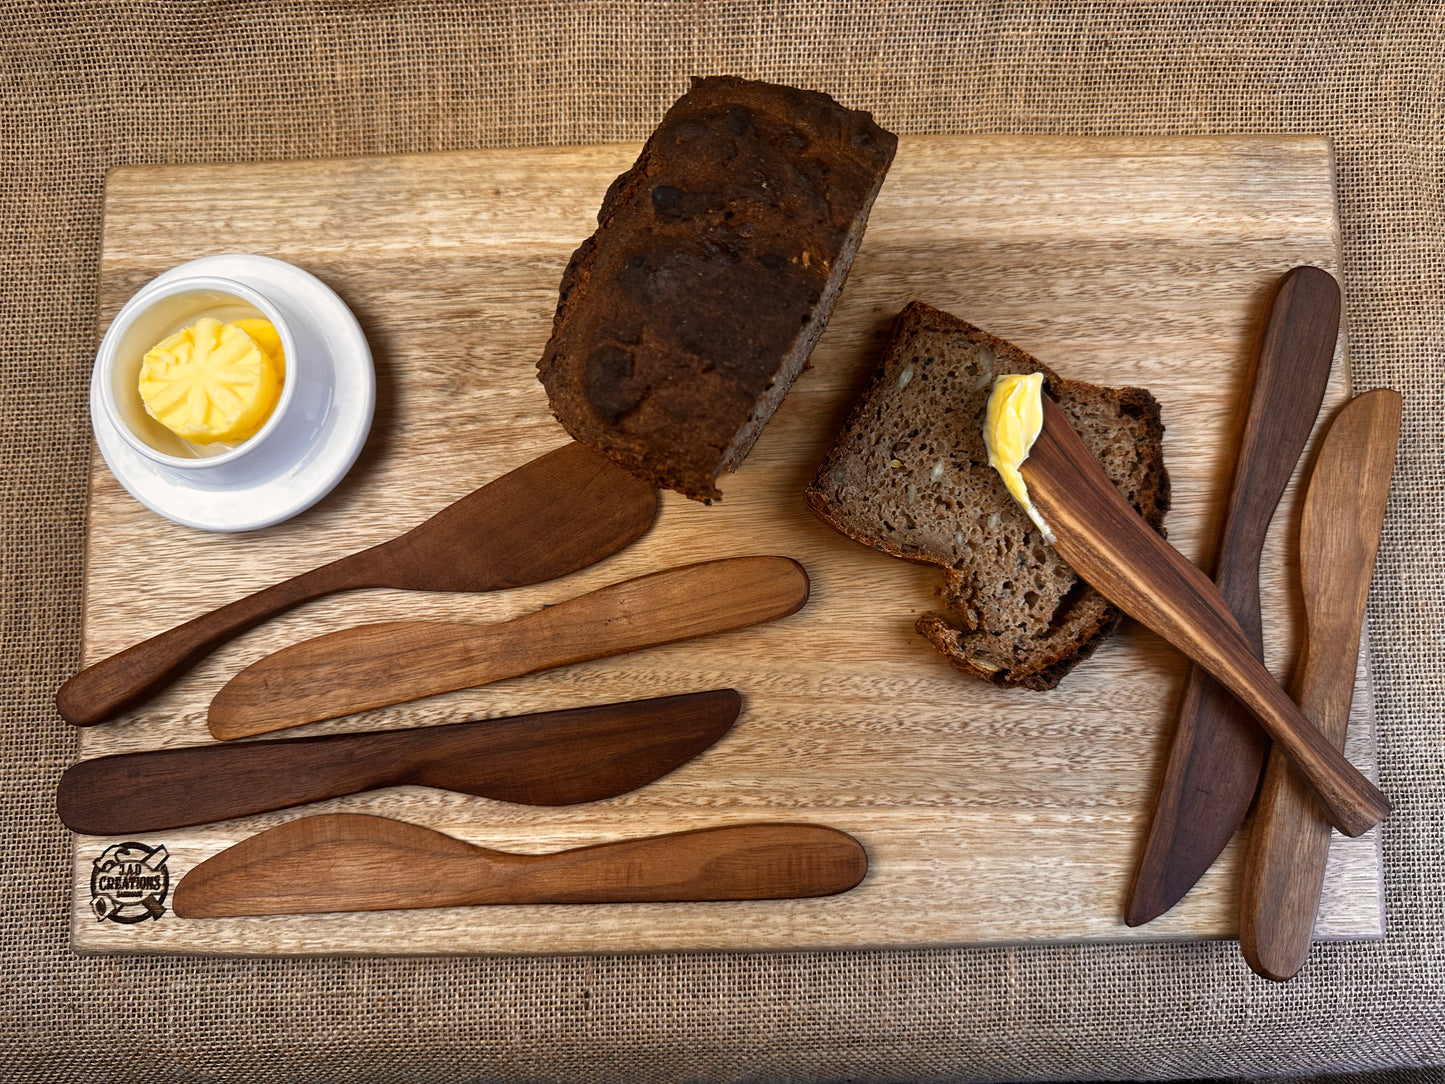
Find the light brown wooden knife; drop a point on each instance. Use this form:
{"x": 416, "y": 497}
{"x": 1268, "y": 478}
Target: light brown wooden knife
{"x": 356, "y": 862}
{"x": 1344, "y": 510}
{"x": 1110, "y": 546}
{"x": 560, "y": 512}
{"x": 372, "y": 666}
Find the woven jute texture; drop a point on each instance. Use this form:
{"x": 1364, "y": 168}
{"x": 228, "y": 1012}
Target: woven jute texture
{"x": 87, "y": 86}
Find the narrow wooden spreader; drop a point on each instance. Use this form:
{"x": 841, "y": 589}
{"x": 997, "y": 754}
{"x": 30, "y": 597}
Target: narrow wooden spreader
{"x": 1284, "y": 866}
{"x": 1108, "y": 544}
{"x": 548, "y": 758}
{"x": 1217, "y": 751}
{"x": 355, "y": 862}
{"x": 562, "y": 511}
{"x": 394, "y": 661}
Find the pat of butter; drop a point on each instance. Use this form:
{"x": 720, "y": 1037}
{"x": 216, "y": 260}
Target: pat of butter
{"x": 1013, "y": 422}
{"x": 214, "y": 382}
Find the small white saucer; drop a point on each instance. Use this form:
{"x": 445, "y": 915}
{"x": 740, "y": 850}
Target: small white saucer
{"x": 325, "y": 429}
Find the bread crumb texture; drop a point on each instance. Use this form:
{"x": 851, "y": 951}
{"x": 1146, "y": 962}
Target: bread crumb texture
{"x": 909, "y": 475}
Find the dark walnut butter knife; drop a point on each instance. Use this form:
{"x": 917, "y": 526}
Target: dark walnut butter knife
{"x": 545, "y": 759}
{"x": 1218, "y": 749}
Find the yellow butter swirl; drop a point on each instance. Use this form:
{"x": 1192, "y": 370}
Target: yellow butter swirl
{"x": 214, "y": 382}
{"x": 1012, "y": 423}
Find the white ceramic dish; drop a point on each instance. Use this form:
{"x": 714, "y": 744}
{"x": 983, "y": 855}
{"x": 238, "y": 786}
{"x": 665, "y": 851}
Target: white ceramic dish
{"x": 307, "y": 445}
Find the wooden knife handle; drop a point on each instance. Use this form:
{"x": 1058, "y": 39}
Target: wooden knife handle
{"x": 372, "y": 666}
{"x": 738, "y": 862}
{"x": 1284, "y": 873}
{"x": 1291, "y": 371}
{"x": 545, "y": 758}
{"x": 105, "y": 689}
{"x": 175, "y": 788}
{"x": 1353, "y": 803}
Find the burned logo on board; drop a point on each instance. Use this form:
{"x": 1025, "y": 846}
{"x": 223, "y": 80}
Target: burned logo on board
{"x": 129, "y": 882}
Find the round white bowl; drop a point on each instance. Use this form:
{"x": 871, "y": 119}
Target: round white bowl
{"x": 305, "y": 447}
{"x": 158, "y": 312}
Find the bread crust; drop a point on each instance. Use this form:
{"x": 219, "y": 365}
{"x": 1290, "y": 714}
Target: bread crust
{"x": 908, "y": 475}
{"x": 684, "y": 319}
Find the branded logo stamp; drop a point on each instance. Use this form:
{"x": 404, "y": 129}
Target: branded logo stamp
{"x": 129, "y": 882}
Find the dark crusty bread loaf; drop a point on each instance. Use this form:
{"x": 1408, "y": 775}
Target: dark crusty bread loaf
{"x": 909, "y": 475}
{"x": 685, "y": 318}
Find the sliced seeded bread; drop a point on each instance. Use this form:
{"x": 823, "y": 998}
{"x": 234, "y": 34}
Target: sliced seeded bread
{"x": 909, "y": 475}
{"x": 686, "y": 317}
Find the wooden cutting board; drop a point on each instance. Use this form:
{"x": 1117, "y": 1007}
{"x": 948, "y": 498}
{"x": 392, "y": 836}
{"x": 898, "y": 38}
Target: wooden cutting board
{"x": 989, "y": 816}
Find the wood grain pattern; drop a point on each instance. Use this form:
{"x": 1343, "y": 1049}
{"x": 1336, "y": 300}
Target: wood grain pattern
{"x": 1217, "y": 752}
{"x": 1111, "y": 547}
{"x": 545, "y": 758}
{"x": 1344, "y": 512}
{"x": 989, "y": 817}
{"x": 563, "y": 511}
{"x": 374, "y": 666}
{"x": 351, "y": 862}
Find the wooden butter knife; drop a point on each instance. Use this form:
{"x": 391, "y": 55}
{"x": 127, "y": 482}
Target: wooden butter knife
{"x": 355, "y": 862}
{"x": 1111, "y": 547}
{"x": 371, "y": 666}
{"x": 1217, "y": 752}
{"x": 546, "y": 759}
{"x": 562, "y": 511}
{"x": 1284, "y": 865}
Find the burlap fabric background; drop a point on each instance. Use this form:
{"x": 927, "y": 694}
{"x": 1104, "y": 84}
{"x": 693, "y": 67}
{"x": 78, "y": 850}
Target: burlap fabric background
{"x": 85, "y": 86}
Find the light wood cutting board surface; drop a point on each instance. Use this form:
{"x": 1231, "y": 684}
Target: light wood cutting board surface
{"x": 989, "y": 816}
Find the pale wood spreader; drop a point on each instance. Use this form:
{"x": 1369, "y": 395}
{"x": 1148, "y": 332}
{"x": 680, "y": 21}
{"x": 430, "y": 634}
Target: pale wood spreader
{"x": 1289, "y": 844}
{"x": 988, "y": 816}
